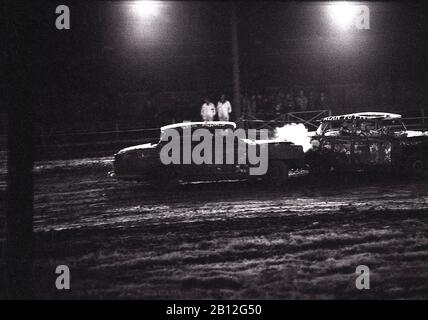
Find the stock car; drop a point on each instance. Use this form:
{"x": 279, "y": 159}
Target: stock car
{"x": 143, "y": 163}
{"x": 368, "y": 141}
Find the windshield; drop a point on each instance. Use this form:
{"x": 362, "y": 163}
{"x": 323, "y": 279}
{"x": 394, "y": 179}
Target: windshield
{"x": 329, "y": 126}
{"x": 361, "y": 126}
{"x": 394, "y": 125}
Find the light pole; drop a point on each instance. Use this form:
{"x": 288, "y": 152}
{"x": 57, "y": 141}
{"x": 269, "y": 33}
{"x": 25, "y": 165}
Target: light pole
{"x": 235, "y": 61}
{"x": 148, "y": 10}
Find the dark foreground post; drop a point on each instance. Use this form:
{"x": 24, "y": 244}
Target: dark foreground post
{"x": 20, "y": 97}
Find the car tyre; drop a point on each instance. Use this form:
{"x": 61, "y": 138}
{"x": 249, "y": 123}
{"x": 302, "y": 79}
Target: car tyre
{"x": 166, "y": 179}
{"x": 416, "y": 166}
{"x": 276, "y": 174}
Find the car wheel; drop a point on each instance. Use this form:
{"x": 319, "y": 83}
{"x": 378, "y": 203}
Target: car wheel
{"x": 319, "y": 171}
{"x": 166, "y": 179}
{"x": 276, "y": 174}
{"x": 416, "y": 166}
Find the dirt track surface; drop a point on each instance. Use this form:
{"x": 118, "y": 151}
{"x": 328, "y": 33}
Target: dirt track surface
{"x": 227, "y": 240}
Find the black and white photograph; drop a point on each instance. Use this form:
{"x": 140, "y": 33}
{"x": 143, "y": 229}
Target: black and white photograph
{"x": 225, "y": 151}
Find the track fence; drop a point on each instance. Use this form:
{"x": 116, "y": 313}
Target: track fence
{"x": 69, "y": 143}
{"x": 259, "y": 121}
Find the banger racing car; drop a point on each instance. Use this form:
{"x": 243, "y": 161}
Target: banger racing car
{"x": 143, "y": 163}
{"x": 368, "y": 141}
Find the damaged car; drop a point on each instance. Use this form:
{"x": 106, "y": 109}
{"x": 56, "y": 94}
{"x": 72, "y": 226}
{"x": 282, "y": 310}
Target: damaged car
{"x": 368, "y": 141}
{"x": 145, "y": 162}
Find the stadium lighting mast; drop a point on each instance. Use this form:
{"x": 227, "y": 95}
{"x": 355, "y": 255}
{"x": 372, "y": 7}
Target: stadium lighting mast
{"x": 235, "y": 56}
{"x": 146, "y": 8}
{"x": 343, "y": 14}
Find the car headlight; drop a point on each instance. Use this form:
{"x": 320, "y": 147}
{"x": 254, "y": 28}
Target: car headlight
{"x": 315, "y": 143}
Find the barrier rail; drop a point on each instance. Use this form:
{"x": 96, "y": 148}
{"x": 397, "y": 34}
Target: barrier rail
{"x": 311, "y": 121}
{"x": 308, "y": 118}
{"x": 98, "y": 136}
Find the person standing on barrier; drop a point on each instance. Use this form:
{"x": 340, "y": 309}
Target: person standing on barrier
{"x": 207, "y": 110}
{"x": 224, "y": 108}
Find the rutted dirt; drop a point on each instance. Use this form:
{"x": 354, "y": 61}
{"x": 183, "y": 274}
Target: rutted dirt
{"x": 227, "y": 240}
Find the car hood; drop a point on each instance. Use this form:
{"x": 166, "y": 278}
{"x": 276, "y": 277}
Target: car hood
{"x": 250, "y": 141}
{"x": 144, "y": 146}
{"x": 414, "y": 133}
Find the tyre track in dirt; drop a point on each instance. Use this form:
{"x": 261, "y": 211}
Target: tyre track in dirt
{"x": 228, "y": 240}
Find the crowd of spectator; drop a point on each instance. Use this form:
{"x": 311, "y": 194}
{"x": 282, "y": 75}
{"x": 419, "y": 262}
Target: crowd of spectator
{"x": 265, "y": 106}
{"x": 280, "y": 103}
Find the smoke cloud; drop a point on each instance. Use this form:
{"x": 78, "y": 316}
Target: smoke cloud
{"x": 296, "y": 133}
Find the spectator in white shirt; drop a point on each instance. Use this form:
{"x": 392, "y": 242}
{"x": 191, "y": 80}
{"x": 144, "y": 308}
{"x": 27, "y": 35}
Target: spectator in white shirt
{"x": 208, "y": 110}
{"x": 224, "y": 108}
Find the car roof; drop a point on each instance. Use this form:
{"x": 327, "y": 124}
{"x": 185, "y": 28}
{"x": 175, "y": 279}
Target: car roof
{"x": 206, "y": 124}
{"x": 363, "y": 115}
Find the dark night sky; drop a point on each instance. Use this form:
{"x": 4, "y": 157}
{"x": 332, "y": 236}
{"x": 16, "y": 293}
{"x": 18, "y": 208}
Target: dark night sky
{"x": 110, "y": 50}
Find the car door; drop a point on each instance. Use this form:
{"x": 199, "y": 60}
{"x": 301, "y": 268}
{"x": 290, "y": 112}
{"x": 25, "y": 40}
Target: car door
{"x": 360, "y": 149}
{"x": 372, "y": 148}
{"x": 225, "y": 150}
{"x": 380, "y": 151}
{"x": 207, "y": 169}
